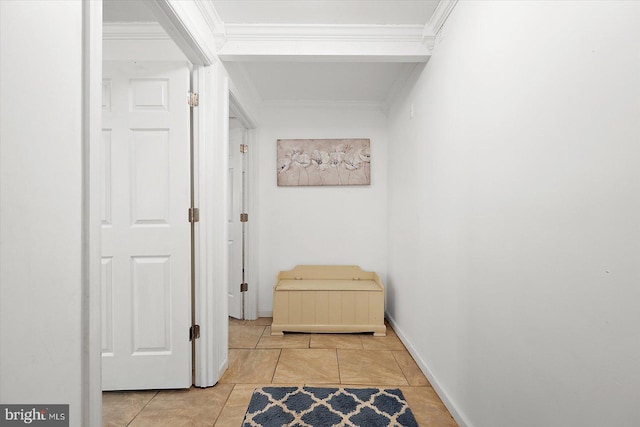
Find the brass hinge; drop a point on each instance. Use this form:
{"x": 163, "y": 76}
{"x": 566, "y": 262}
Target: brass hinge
{"x": 194, "y": 99}
{"x": 194, "y": 332}
{"x": 244, "y": 217}
{"x": 244, "y": 148}
{"x": 244, "y": 287}
{"x": 194, "y": 214}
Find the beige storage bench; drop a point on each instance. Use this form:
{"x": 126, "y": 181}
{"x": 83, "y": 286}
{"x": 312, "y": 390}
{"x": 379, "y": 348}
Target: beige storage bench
{"x": 330, "y": 299}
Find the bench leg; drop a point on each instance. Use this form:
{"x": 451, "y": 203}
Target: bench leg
{"x": 380, "y": 331}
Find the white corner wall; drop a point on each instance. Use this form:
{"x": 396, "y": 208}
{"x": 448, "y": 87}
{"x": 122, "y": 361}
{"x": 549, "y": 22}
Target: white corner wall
{"x": 514, "y": 204}
{"x": 43, "y": 349}
{"x": 320, "y": 225}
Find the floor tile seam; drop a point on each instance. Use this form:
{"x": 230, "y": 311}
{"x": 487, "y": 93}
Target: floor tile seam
{"x": 255, "y": 346}
{"x": 275, "y": 368}
{"x": 337, "y": 346}
{"x": 396, "y": 362}
{"x": 400, "y": 366}
{"x": 339, "y": 370}
{"x": 143, "y": 407}
{"x": 224, "y": 406}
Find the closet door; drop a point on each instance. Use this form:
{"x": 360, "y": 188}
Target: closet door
{"x": 146, "y": 291}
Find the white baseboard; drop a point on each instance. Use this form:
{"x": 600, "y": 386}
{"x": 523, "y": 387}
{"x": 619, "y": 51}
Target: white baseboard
{"x": 453, "y": 410}
{"x": 265, "y": 313}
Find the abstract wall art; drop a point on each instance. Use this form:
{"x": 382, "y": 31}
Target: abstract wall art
{"x": 316, "y": 162}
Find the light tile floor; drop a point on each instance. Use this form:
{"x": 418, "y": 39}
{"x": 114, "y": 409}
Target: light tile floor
{"x": 257, "y": 359}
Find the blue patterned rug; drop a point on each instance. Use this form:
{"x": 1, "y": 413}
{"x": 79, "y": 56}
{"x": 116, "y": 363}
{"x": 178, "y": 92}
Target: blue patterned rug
{"x": 325, "y": 407}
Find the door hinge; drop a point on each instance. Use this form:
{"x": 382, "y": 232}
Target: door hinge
{"x": 194, "y": 214}
{"x": 194, "y": 99}
{"x": 244, "y": 287}
{"x": 244, "y": 217}
{"x": 244, "y": 148}
{"x": 194, "y": 332}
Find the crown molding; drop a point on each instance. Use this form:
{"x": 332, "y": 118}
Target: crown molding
{"x": 211, "y": 15}
{"x": 324, "y": 42}
{"x": 323, "y": 32}
{"x": 193, "y": 25}
{"x": 439, "y": 17}
{"x": 133, "y": 31}
{"x": 213, "y": 21}
{"x": 429, "y": 42}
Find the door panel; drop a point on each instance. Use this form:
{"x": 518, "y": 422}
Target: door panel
{"x": 150, "y": 177}
{"x": 151, "y": 306}
{"x": 145, "y": 229}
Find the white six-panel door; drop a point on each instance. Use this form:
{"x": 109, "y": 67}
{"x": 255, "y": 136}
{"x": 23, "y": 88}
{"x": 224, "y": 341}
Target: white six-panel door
{"x": 146, "y": 294}
{"x": 235, "y": 181}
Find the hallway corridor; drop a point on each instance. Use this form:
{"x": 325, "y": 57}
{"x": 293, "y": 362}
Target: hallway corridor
{"x": 256, "y": 359}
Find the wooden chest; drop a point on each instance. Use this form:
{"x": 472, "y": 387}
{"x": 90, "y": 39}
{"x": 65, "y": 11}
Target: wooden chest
{"x": 329, "y": 299}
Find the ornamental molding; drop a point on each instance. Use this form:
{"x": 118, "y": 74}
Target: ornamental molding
{"x": 437, "y": 20}
{"x": 305, "y": 32}
{"x": 308, "y": 42}
{"x": 213, "y": 21}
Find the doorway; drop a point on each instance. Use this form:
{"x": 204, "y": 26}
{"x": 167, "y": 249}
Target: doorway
{"x": 238, "y": 217}
{"x": 188, "y": 30}
{"x": 242, "y": 211}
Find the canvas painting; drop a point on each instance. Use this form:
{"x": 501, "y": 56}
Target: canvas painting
{"x": 304, "y": 162}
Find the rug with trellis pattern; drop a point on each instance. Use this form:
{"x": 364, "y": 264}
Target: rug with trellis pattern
{"x": 325, "y": 407}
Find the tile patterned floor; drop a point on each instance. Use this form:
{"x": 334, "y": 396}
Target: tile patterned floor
{"x": 257, "y": 359}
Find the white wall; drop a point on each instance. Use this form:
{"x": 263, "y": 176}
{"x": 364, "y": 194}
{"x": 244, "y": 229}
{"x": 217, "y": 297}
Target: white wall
{"x": 514, "y": 203}
{"x": 141, "y": 50}
{"x": 320, "y": 225}
{"x": 43, "y": 350}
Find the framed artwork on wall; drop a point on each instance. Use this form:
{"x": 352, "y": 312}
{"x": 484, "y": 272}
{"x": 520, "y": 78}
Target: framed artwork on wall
{"x": 318, "y": 162}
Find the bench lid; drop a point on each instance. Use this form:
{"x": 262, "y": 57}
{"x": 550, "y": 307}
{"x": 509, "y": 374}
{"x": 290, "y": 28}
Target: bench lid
{"x": 327, "y": 285}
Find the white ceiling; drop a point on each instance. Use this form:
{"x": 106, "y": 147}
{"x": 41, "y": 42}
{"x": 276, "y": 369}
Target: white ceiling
{"x": 336, "y": 12}
{"x": 126, "y": 11}
{"x": 375, "y": 12}
{"x": 310, "y": 80}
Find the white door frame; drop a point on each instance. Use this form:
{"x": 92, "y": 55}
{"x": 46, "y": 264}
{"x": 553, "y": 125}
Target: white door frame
{"x": 193, "y": 27}
{"x": 91, "y": 214}
{"x": 210, "y": 176}
{"x": 193, "y": 33}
